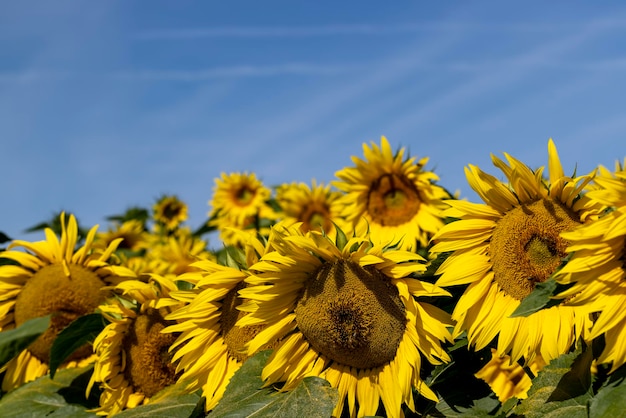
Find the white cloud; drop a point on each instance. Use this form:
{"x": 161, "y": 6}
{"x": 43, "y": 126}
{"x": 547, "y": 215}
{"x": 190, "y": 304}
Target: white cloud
{"x": 240, "y": 71}
{"x": 370, "y": 29}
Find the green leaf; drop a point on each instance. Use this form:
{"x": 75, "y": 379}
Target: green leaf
{"x": 481, "y": 408}
{"x": 273, "y": 203}
{"x": 561, "y": 389}
{"x": 49, "y": 398}
{"x": 456, "y": 384}
{"x": 342, "y": 240}
{"x": 608, "y": 403}
{"x": 539, "y": 298}
{"x": 55, "y": 225}
{"x": 205, "y": 228}
{"x": 433, "y": 265}
{"x": 7, "y": 261}
{"x": 244, "y": 396}
{"x": 4, "y": 237}
{"x": 234, "y": 257}
{"x": 12, "y": 342}
{"x": 75, "y": 335}
{"x": 171, "y": 402}
{"x": 183, "y": 285}
{"x": 133, "y": 213}
{"x": 313, "y": 397}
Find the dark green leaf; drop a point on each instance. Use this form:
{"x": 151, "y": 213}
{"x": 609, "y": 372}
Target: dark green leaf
{"x": 171, "y": 402}
{"x": 127, "y": 253}
{"x": 577, "y": 381}
{"x": 244, "y": 396}
{"x": 540, "y": 298}
{"x": 12, "y": 342}
{"x": 39, "y": 227}
{"x": 561, "y": 389}
{"x": 199, "y": 410}
{"x": 457, "y": 386}
{"x": 261, "y": 223}
{"x": 205, "y": 228}
{"x": 55, "y": 225}
{"x": 481, "y": 408}
{"x": 273, "y": 203}
{"x": 133, "y": 213}
{"x": 75, "y": 335}
{"x": 47, "y": 397}
{"x": 4, "y": 237}
{"x": 433, "y": 265}
{"x": 8, "y": 261}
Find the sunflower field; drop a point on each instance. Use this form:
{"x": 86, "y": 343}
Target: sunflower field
{"x": 381, "y": 294}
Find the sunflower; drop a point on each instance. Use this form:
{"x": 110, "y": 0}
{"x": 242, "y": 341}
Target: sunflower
{"x": 209, "y": 349}
{"x": 346, "y": 313}
{"x": 597, "y": 268}
{"x": 169, "y": 212}
{"x": 175, "y": 253}
{"x": 131, "y": 232}
{"x": 315, "y": 206}
{"x": 132, "y": 362}
{"x": 240, "y": 203}
{"x": 52, "y": 278}
{"x": 503, "y": 248}
{"x": 508, "y": 379}
{"x": 397, "y": 197}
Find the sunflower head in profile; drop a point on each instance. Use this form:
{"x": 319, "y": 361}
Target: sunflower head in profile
{"x": 597, "y": 268}
{"x": 314, "y": 207}
{"x": 175, "y": 253}
{"x": 346, "y": 311}
{"x": 53, "y": 277}
{"x": 210, "y": 347}
{"x": 132, "y": 354}
{"x": 397, "y": 197}
{"x": 169, "y": 212}
{"x": 507, "y": 245}
{"x": 132, "y": 233}
{"x": 240, "y": 203}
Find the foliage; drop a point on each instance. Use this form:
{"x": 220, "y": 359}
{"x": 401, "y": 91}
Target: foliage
{"x": 12, "y": 342}
{"x": 62, "y": 397}
{"x": 570, "y": 386}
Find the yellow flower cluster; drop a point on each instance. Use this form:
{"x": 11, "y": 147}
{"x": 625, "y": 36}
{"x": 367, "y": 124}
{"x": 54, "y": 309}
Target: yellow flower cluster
{"x": 366, "y": 282}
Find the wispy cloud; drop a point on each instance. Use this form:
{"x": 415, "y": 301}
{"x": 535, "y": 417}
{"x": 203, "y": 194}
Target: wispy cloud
{"x": 240, "y": 71}
{"x": 353, "y": 29}
{"x": 301, "y": 69}
{"x": 32, "y": 75}
{"x": 517, "y": 67}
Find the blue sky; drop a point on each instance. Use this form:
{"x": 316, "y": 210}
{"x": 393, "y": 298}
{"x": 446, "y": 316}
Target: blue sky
{"x": 109, "y": 104}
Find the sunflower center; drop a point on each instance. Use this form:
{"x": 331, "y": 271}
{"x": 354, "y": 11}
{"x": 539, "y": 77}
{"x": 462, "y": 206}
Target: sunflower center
{"x": 244, "y": 196}
{"x": 526, "y": 247}
{"x": 172, "y": 210}
{"x": 236, "y": 337}
{"x": 392, "y": 200}
{"x": 315, "y": 217}
{"x": 352, "y": 315}
{"x": 65, "y": 292}
{"x": 148, "y": 366}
